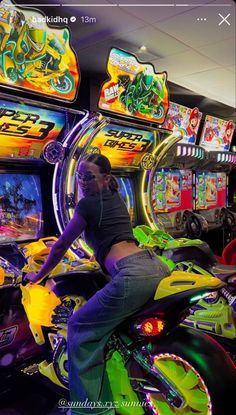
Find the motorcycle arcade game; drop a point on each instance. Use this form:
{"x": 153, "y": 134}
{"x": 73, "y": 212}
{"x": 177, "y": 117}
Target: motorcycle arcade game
{"x": 31, "y": 136}
{"x": 169, "y": 200}
{"x": 211, "y": 183}
{"x": 216, "y": 314}
{"x": 167, "y": 194}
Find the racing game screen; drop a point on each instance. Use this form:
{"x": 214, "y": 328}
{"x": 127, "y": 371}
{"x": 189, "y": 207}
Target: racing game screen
{"x": 126, "y": 192}
{"x": 211, "y": 190}
{"x": 21, "y": 215}
{"x": 172, "y": 190}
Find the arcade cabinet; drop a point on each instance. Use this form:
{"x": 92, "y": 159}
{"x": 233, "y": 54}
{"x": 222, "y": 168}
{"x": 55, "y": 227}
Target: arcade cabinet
{"x": 130, "y": 145}
{"x": 211, "y": 183}
{"x": 37, "y": 63}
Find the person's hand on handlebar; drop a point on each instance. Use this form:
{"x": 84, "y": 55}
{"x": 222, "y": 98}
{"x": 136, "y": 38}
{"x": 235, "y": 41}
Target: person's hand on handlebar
{"x": 32, "y": 277}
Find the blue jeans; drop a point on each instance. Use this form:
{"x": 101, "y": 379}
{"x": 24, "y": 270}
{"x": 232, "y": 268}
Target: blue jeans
{"x": 134, "y": 282}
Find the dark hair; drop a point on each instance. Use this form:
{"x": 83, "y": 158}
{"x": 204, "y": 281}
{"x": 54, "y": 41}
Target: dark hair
{"x": 104, "y": 166}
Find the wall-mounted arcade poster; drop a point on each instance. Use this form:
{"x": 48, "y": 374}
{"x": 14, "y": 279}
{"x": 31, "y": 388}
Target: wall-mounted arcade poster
{"x": 134, "y": 89}
{"x": 217, "y": 134}
{"x": 35, "y": 57}
{"x": 25, "y": 129}
{"x": 185, "y": 119}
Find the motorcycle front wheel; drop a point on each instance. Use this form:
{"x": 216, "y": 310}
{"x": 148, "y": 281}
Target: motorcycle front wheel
{"x": 63, "y": 84}
{"x": 201, "y": 371}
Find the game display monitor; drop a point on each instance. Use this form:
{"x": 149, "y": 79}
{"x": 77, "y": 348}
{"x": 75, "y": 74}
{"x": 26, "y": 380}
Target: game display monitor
{"x": 171, "y": 190}
{"x": 126, "y": 191}
{"x": 21, "y": 212}
{"x": 217, "y": 134}
{"x": 211, "y": 190}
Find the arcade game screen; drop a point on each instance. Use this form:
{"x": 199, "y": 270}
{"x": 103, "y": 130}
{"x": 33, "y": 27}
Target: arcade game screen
{"x": 21, "y": 213}
{"x": 126, "y": 192}
{"x": 211, "y": 190}
{"x": 172, "y": 190}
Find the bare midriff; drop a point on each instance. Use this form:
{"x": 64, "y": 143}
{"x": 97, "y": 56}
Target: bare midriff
{"x": 119, "y": 251}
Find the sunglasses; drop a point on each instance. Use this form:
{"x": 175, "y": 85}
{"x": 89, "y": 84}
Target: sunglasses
{"x": 85, "y": 177}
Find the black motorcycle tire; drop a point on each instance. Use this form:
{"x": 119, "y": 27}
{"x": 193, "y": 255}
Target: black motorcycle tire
{"x": 209, "y": 360}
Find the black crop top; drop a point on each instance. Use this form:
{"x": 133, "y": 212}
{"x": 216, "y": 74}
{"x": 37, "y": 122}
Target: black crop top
{"x": 108, "y": 222}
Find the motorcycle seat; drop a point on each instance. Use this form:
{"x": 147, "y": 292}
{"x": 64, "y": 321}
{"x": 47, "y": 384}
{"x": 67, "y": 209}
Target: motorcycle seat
{"x": 163, "y": 307}
{"x": 223, "y": 272}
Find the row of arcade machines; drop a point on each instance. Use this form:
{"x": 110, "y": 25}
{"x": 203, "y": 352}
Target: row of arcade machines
{"x": 185, "y": 194}
{"x": 155, "y": 172}
{"x": 167, "y": 184}
{"x": 188, "y": 195}
{"x": 171, "y": 186}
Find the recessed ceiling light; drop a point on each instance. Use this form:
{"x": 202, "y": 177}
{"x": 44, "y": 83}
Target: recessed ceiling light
{"x": 143, "y": 48}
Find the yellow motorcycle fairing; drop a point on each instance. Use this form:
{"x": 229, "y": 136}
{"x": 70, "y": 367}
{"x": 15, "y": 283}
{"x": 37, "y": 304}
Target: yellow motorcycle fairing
{"x": 39, "y": 303}
{"x": 180, "y": 281}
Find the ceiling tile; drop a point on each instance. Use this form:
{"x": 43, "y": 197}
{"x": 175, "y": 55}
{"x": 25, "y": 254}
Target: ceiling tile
{"x": 218, "y": 84}
{"x": 183, "y": 64}
{"x": 151, "y": 14}
{"x": 157, "y": 42}
{"x": 221, "y": 52}
{"x": 194, "y": 33}
{"x": 231, "y": 68}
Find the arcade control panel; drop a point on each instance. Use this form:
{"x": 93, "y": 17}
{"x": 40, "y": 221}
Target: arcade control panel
{"x": 173, "y": 223}
{"x": 182, "y": 223}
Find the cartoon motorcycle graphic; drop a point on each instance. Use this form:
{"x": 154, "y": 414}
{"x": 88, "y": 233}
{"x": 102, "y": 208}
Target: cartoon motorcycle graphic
{"x": 143, "y": 94}
{"x": 150, "y": 359}
{"x": 29, "y": 53}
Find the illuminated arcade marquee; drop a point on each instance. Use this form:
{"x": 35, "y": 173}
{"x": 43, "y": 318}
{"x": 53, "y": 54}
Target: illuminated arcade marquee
{"x": 124, "y": 146}
{"x": 185, "y": 119}
{"x": 26, "y": 129}
{"x": 217, "y": 134}
{"x": 34, "y": 57}
{"x": 134, "y": 89}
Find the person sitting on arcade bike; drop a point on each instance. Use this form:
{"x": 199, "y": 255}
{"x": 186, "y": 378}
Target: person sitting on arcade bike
{"x": 103, "y": 217}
